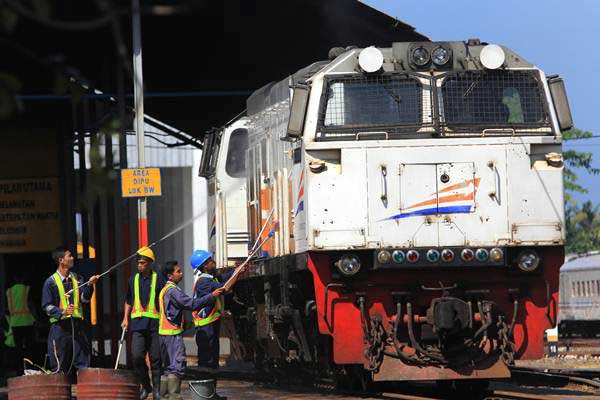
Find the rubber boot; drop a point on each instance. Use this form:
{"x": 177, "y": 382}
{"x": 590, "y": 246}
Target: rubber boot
{"x": 146, "y": 388}
{"x": 174, "y": 387}
{"x": 155, "y": 385}
{"x": 164, "y": 387}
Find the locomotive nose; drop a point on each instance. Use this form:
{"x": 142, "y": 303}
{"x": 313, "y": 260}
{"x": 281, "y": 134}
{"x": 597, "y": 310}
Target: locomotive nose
{"x": 448, "y": 315}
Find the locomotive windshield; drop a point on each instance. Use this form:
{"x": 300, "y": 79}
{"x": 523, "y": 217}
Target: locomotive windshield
{"x": 365, "y": 102}
{"x": 493, "y": 99}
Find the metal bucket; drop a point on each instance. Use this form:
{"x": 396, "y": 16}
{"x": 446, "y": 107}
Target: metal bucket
{"x": 101, "y": 383}
{"x": 203, "y": 390}
{"x": 38, "y": 387}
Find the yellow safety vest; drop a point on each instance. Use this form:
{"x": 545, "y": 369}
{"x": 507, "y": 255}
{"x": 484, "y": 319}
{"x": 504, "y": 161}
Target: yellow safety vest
{"x": 62, "y": 295}
{"x": 17, "y": 306}
{"x": 150, "y": 310}
{"x": 214, "y": 315}
{"x": 165, "y": 327}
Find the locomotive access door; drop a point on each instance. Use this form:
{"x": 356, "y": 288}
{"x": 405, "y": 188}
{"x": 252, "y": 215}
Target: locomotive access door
{"x": 408, "y": 205}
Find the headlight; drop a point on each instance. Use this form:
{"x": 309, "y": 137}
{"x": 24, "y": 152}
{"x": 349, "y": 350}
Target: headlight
{"x": 398, "y": 256}
{"x": 433, "y": 255}
{"x": 349, "y": 265}
{"x": 467, "y": 255}
{"x": 440, "y": 56}
{"x": 496, "y": 254}
{"x": 420, "y": 56}
{"x": 482, "y": 255}
{"x": 447, "y": 255}
{"x": 384, "y": 257}
{"x": 528, "y": 260}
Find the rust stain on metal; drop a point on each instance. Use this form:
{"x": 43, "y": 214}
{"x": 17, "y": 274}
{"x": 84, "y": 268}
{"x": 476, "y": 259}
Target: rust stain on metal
{"x": 100, "y": 383}
{"x": 38, "y": 387}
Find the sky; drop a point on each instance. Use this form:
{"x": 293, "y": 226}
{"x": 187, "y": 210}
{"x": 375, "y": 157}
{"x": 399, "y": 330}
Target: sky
{"x": 560, "y": 37}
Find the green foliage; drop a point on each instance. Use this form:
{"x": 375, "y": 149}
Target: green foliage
{"x": 583, "y": 222}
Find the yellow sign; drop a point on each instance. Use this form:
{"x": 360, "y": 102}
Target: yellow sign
{"x": 29, "y": 215}
{"x": 140, "y": 182}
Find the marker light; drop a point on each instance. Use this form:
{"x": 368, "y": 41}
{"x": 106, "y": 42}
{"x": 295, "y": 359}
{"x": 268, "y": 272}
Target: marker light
{"x": 447, "y": 255}
{"x": 412, "y": 256}
{"x": 467, "y": 255}
{"x": 492, "y": 56}
{"x": 370, "y": 59}
{"x": 482, "y": 255}
{"x": 398, "y": 256}
{"x": 496, "y": 254}
{"x": 420, "y": 56}
{"x": 349, "y": 265}
{"x": 440, "y": 56}
{"x": 384, "y": 257}
{"x": 528, "y": 260}
{"x": 433, "y": 255}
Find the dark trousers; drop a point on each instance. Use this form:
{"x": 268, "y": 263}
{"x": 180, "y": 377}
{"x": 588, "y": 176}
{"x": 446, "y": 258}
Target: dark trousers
{"x": 173, "y": 355}
{"x": 207, "y": 340}
{"x": 24, "y": 343}
{"x": 63, "y": 351}
{"x": 143, "y": 342}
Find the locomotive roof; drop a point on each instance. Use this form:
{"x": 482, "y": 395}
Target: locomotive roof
{"x": 589, "y": 261}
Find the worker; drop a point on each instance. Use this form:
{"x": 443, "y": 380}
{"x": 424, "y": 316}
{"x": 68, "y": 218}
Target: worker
{"x": 21, "y": 319}
{"x": 141, "y": 305}
{"x": 173, "y": 301}
{"x": 207, "y": 320}
{"x": 68, "y": 346}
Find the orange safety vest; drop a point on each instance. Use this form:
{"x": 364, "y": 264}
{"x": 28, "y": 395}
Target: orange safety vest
{"x": 165, "y": 327}
{"x": 18, "y": 307}
{"x": 217, "y": 309}
{"x": 150, "y": 311}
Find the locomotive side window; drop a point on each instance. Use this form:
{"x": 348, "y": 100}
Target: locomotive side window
{"x": 371, "y": 103}
{"x": 493, "y": 99}
{"x": 236, "y": 153}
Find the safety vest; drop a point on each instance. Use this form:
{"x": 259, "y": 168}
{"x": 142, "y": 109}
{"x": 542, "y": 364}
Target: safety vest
{"x": 62, "y": 295}
{"x": 18, "y": 307}
{"x": 9, "y": 339}
{"x": 150, "y": 310}
{"x": 165, "y": 327}
{"x": 215, "y": 314}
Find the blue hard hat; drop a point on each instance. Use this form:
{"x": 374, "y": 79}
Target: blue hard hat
{"x": 199, "y": 257}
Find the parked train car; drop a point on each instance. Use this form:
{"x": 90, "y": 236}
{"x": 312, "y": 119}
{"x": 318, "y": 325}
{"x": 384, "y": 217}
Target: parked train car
{"x": 414, "y": 195}
{"x": 579, "y": 298}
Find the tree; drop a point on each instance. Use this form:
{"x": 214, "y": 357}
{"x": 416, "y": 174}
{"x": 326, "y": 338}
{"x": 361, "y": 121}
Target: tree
{"x": 582, "y": 222}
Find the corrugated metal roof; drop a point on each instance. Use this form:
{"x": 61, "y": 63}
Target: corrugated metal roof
{"x": 590, "y": 260}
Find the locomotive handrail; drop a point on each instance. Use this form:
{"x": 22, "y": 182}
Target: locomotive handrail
{"x": 326, "y": 307}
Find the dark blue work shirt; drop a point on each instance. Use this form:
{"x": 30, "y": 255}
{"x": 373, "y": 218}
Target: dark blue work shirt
{"x": 51, "y": 298}
{"x": 206, "y": 284}
{"x": 176, "y": 301}
{"x": 144, "y": 323}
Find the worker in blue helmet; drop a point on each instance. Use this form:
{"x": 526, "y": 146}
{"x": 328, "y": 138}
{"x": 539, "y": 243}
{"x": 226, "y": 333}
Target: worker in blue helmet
{"x": 208, "y": 320}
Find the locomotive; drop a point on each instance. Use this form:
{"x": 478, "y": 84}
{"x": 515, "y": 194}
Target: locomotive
{"x": 413, "y": 196}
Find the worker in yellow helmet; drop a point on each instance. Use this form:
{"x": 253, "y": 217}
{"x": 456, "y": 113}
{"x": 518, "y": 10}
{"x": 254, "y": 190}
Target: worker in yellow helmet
{"x": 142, "y": 307}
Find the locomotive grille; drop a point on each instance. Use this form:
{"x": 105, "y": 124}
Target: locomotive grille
{"x": 391, "y": 103}
{"x": 476, "y": 100}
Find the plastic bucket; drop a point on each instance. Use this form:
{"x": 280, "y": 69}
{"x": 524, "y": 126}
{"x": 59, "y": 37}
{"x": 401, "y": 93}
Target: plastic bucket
{"x": 202, "y": 390}
{"x": 38, "y": 387}
{"x": 100, "y": 383}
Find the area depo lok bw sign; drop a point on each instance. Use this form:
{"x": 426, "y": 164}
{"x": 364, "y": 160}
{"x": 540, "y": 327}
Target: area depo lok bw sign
{"x": 140, "y": 182}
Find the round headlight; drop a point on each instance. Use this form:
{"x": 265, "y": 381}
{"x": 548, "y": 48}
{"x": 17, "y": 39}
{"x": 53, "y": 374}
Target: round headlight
{"x": 412, "y": 256}
{"x": 348, "y": 265}
{"x": 398, "y": 256}
{"x": 440, "y": 56}
{"x": 467, "y": 255}
{"x": 447, "y": 255}
{"x": 482, "y": 255}
{"x": 433, "y": 255}
{"x": 528, "y": 260}
{"x": 496, "y": 254}
{"x": 370, "y": 59}
{"x": 384, "y": 257}
{"x": 420, "y": 56}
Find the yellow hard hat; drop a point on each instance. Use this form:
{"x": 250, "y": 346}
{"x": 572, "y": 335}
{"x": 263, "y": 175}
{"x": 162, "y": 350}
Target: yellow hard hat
{"x": 146, "y": 252}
